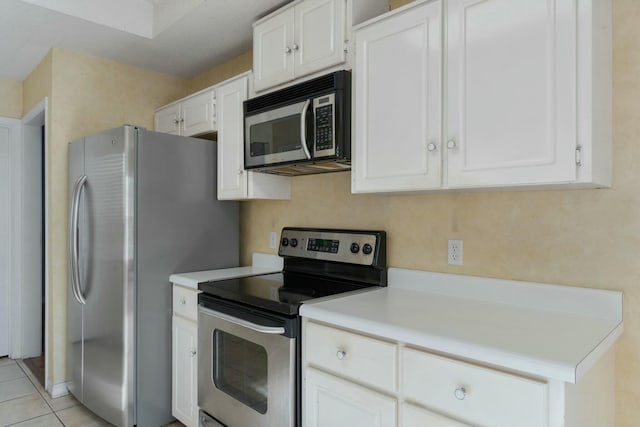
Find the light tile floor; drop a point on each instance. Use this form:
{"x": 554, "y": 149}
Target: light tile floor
{"x": 24, "y": 402}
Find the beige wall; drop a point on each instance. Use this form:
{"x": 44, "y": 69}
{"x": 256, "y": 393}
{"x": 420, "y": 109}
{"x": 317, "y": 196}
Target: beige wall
{"x": 87, "y": 95}
{"x": 222, "y": 72}
{"x": 38, "y": 85}
{"x": 578, "y": 237}
{"x": 10, "y": 99}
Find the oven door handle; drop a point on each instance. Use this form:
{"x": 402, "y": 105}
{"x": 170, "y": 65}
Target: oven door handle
{"x": 275, "y": 330}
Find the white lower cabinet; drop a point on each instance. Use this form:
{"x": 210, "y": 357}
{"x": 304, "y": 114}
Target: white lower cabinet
{"x": 415, "y": 416}
{"x": 475, "y": 394}
{"x": 351, "y": 379}
{"x": 334, "y": 402}
{"x": 184, "y": 384}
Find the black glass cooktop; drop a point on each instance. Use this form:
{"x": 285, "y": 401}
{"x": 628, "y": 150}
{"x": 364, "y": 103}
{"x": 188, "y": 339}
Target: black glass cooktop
{"x": 279, "y": 292}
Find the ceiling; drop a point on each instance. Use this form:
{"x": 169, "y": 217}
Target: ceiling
{"x": 178, "y": 37}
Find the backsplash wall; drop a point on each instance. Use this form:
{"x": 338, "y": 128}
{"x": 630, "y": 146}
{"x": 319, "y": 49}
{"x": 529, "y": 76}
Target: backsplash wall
{"x": 574, "y": 237}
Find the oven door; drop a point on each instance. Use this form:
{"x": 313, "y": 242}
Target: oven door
{"x": 246, "y": 368}
{"x": 280, "y": 135}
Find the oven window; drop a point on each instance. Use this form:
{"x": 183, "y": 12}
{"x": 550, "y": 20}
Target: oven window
{"x": 240, "y": 370}
{"x": 275, "y": 136}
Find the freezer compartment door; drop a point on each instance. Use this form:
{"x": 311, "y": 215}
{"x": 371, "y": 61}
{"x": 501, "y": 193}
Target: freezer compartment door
{"x": 107, "y": 283}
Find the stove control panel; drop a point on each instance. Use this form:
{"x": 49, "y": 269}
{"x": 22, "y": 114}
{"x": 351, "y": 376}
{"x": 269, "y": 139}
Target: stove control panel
{"x": 346, "y": 246}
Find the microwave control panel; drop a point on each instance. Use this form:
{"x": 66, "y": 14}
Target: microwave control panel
{"x": 324, "y": 121}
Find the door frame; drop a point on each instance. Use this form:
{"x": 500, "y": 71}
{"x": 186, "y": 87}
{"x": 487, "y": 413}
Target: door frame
{"x": 12, "y": 272}
{"x": 20, "y": 307}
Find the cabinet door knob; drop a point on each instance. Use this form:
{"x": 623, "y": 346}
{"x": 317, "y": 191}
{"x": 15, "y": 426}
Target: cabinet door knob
{"x": 460, "y": 393}
{"x": 295, "y": 46}
{"x": 183, "y": 301}
{"x": 341, "y": 354}
{"x": 431, "y": 146}
{"x": 451, "y": 144}
{"x": 193, "y": 353}
{"x": 240, "y": 171}
{"x": 287, "y": 50}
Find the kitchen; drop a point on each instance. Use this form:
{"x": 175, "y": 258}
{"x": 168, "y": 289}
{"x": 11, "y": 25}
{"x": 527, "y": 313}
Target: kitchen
{"x": 580, "y": 238}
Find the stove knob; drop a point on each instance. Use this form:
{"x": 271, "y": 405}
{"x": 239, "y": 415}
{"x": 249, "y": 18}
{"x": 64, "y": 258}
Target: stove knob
{"x": 367, "y": 249}
{"x": 355, "y": 248}
{"x": 285, "y": 241}
{"x": 294, "y": 243}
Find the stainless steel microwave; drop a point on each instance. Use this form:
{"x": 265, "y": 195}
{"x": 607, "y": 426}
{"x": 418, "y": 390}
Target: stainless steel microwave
{"x": 302, "y": 129}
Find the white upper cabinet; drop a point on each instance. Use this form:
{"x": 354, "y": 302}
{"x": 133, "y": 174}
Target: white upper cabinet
{"x": 305, "y": 37}
{"x": 193, "y": 115}
{"x": 398, "y": 106}
{"x": 511, "y": 92}
{"x": 199, "y": 114}
{"x": 524, "y": 100}
{"x": 167, "y": 119}
{"x": 234, "y": 183}
{"x": 232, "y": 179}
{"x": 272, "y": 51}
{"x": 320, "y": 27}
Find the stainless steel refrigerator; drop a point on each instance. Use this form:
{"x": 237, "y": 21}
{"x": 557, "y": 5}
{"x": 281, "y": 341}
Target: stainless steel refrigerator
{"x": 142, "y": 205}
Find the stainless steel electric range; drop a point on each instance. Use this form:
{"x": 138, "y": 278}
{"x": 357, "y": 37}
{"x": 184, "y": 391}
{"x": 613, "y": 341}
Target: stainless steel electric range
{"x": 249, "y": 335}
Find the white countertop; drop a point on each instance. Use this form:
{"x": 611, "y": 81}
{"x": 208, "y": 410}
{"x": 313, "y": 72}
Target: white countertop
{"x": 261, "y": 264}
{"x": 550, "y": 331}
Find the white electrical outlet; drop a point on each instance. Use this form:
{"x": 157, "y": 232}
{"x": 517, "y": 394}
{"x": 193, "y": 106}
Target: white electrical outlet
{"x": 455, "y": 252}
{"x": 273, "y": 239}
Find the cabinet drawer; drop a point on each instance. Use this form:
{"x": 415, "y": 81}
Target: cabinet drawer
{"x": 185, "y": 302}
{"x": 351, "y": 355}
{"x": 472, "y": 393}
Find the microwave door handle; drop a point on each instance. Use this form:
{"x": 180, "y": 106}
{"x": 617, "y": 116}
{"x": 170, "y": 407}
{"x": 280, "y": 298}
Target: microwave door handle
{"x": 303, "y": 128}
{"x": 275, "y": 330}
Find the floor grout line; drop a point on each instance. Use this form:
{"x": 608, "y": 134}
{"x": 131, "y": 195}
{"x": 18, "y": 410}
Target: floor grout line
{"x": 46, "y": 400}
{"x": 28, "y": 419}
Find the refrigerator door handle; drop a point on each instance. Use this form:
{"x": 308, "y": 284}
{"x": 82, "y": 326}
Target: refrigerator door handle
{"x": 70, "y": 238}
{"x": 73, "y": 245}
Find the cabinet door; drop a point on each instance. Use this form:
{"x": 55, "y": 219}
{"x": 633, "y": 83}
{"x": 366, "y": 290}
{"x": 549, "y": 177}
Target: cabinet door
{"x": 320, "y": 27}
{"x": 198, "y": 114}
{"x": 511, "y": 92}
{"x": 333, "y": 402}
{"x": 184, "y": 401}
{"x": 414, "y": 416}
{"x": 397, "y": 106}
{"x": 273, "y": 50}
{"x": 167, "y": 120}
{"x": 232, "y": 179}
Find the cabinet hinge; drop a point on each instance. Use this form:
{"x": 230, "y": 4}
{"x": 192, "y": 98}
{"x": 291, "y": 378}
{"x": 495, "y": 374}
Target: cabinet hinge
{"x": 579, "y": 155}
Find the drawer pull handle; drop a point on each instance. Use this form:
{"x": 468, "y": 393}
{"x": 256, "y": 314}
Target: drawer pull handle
{"x": 183, "y": 301}
{"x": 460, "y": 393}
{"x": 341, "y": 354}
